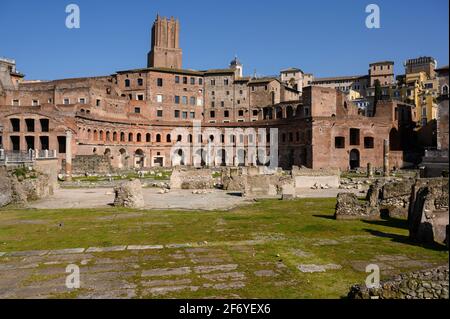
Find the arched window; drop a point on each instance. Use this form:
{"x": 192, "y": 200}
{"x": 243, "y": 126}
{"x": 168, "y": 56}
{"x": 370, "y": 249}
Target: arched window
{"x": 139, "y": 137}
{"x": 445, "y": 89}
{"x": 179, "y": 138}
{"x": 190, "y": 138}
{"x": 122, "y": 137}
{"x": 101, "y": 136}
{"x": 127, "y": 83}
{"x": 108, "y": 136}
{"x": 168, "y": 138}
{"x": 130, "y": 137}
{"x": 158, "y": 138}
{"x": 148, "y": 138}
{"x": 115, "y": 136}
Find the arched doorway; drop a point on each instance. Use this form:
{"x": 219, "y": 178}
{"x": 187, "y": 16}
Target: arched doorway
{"x": 139, "y": 159}
{"x": 354, "y": 159}
{"x": 123, "y": 158}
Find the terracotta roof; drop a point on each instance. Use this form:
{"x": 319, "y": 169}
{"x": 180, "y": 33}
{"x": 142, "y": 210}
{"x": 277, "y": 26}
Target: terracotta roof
{"x": 340, "y": 78}
{"x": 382, "y": 62}
{"x": 218, "y": 71}
{"x": 291, "y": 70}
{"x": 262, "y": 80}
{"x": 165, "y": 70}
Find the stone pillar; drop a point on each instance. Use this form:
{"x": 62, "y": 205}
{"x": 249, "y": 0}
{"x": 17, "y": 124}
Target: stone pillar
{"x": 369, "y": 170}
{"x": 2, "y": 153}
{"x": 68, "y": 155}
{"x": 386, "y": 158}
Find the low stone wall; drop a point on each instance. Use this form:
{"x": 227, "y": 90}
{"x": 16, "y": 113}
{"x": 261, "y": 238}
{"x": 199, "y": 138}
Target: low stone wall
{"x": 308, "y": 178}
{"x": 348, "y": 207}
{"x": 424, "y": 284}
{"x": 192, "y": 178}
{"x": 90, "y": 164}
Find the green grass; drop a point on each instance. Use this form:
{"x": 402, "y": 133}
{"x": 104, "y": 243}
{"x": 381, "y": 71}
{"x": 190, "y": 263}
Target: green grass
{"x": 286, "y": 225}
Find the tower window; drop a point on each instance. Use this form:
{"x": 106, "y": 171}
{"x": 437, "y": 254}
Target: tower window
{"x": 159, "y": 82}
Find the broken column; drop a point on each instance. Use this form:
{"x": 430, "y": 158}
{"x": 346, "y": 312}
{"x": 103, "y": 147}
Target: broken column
{"x": 369, "y": 170}
{"x": 68, "y": 155}
{"x": 386, "y": 158}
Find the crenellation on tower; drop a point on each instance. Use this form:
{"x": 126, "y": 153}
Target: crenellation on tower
{"x": 165, "y": 44}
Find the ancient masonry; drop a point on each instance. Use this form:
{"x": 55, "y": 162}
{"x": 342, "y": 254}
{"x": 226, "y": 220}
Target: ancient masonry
{"x": 127, "y": 120}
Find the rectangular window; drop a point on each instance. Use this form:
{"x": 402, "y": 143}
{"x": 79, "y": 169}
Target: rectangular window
{"x": 200, "y": 81}
{"x": 36, "y": 103}
{"x": 212, "y": 114}
{"x": 177, "y": 114}
{"x": 127, "y": 83}
{"x": 213, "y": 82}
{"x": 368, "y": 142}
{"x": 44, "y": 125}
{"x": 66, "y": 101}
{"x": 159, "y": 113}
{"x": 82, "y": 100}
{"x": 140, "y": 97}
{"x": 225, "y": 82}
{"x": 159, "y": 98}
{"x": 184, "y": 100}
{"x": 192, "y": 115}
{"x": 193, "y": 81}
{"x": 241, "y": 113}
{"x": 255, "y": 112}
{"x": 339, "y": 142}
{"x": 222, "y": 104}
{"x": 192, "y": 100}
{"x": 184, "y": 115}
{"x": 97, "y": 103}
{"x": 177, "y": 99}
{"x": 137, "y": 110}
{"x": 354, "y": 136}
{"x": 159, "y": 82}
{"x": 177, "y": 79}
{"x": 184, "y": 80}
{"x": 140, "y": 82}
{"x": 226, "y": 113}
{"x": 213, "y": 104}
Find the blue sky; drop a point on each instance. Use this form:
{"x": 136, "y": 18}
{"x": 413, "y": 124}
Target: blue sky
{"x": 325, "y": 37}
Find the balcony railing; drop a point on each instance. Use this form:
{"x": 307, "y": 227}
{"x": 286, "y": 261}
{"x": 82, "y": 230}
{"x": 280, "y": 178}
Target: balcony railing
{"x": 18, "y": 157}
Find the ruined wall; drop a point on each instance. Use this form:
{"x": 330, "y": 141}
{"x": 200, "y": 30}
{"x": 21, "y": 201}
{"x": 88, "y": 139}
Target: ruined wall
{"x": 187, "y": 178}
{"x": 423, "y": 284}
{"x": 92, "y": 164}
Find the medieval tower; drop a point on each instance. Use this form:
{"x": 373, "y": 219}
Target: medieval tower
{"x": 165, "y": 49}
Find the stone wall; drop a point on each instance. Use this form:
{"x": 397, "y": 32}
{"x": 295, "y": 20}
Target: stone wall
{"x": 91, "y": 164}
{"x": 424, "y": 284}
{"x": 23, "y": 188}
{"x": 348, "y": 206}
{"x": 191, "y": 178}
{"x": 429, "y": 213}
{"x": 308, "y": 178}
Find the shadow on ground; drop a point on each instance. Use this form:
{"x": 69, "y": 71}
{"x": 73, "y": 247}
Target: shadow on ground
{"x": 405, "y": 240}
{"x": 389, "y": 222}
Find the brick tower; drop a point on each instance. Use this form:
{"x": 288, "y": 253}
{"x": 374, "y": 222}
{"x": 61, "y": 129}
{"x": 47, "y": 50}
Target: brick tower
{"x": 165, "y": 51}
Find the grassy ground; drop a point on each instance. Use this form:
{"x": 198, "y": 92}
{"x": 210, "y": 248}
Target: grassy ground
{"x": 284, "y": 228}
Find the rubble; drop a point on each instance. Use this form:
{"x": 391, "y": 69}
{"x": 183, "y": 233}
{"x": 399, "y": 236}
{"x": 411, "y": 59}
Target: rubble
{"x": 129, "y": 194}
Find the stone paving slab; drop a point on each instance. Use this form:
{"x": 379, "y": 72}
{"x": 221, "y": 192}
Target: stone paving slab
{"x": 27, "y": 253}
{"x": 105, "y": 249}
{"x": 144, "y": 247}
{"x": 208, "y": 269}
{"x": 166, "y": 272}
{"x": 159, "y": 283}
{"x": 312, "y": 268}
{"x": 66, "y": 251}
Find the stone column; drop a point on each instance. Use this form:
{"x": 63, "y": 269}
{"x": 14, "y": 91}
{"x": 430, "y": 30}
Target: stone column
{"x": 369, "y": 170}
{"x": 386, "y": 158}
{"x": 68, "y": 155}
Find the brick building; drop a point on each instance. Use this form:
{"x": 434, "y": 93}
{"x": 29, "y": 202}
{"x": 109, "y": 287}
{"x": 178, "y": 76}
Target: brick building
{"x": 136, "y": 118}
